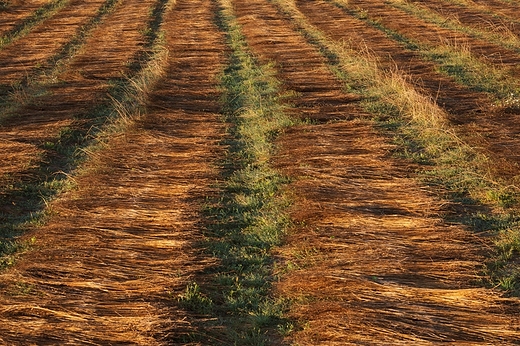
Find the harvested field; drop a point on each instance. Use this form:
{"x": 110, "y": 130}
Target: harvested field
{"x": 354, "y": 211}
{"x": 15, "y": 12}
{"x": 473, "y": 112}
{"x": 43, "y": 45}
{"x": 418, "y": 30}
{"x": 134, "y": 181}
{"x": 117, "y": 247}
{"x": 502, "y": 16}
{"x": 36, "y": 132}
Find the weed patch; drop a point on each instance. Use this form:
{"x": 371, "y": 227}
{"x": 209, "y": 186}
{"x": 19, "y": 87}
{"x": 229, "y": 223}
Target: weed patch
{"x": 504, "y": 269}
{"x": 10, "y": 250}
{"x": 195, "y": 301}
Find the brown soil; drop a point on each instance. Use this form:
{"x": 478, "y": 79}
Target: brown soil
{"x": 119, "y": 249}
{"x": 493, "y": 129}
{"x": 373, "y": 262}
{"x": 15, "y": 13}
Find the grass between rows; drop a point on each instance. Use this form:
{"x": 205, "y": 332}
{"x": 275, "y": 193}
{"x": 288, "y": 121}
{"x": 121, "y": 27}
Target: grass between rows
{"x": 23, "y": 28}
{"x": 423, "y": 134}
{"x": 249, "y": 219}
{"x": 53, "y": 173}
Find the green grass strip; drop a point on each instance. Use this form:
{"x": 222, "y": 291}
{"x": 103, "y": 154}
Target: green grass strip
{"x": 250, "y": 217}
{"x": 22, "y": 29}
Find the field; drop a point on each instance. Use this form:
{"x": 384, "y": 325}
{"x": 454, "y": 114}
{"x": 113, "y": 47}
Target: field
{"x": 259, "y": 172}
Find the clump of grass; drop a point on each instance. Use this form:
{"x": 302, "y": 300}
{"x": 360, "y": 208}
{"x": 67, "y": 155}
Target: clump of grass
{"x": 423, "y": 135}
{"x": 10, "y": 250}
{"x": 249, "y": 218}
{"x": 504, "y": 269}
{"x": 192, "y": 299}
{"x": 456, "y": 60}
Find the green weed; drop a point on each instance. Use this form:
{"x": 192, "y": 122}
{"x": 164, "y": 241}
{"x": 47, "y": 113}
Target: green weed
{"x": 194, "y": 300}
{"x": 10, "y": 250}
{"x": 503, "y": 271}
